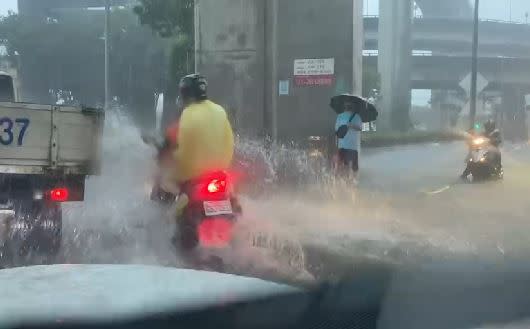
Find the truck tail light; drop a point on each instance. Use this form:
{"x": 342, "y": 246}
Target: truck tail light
{"x": 59, "y": 194}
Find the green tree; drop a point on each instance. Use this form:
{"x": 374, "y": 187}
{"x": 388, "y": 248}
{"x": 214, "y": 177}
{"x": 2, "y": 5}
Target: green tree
{"x": 172, "y": 20}
{"x": 66, "y": 53}
{"x": 169, "y": 18}
{"x": 53, "y": 54}
{"x": 138, "y": 62}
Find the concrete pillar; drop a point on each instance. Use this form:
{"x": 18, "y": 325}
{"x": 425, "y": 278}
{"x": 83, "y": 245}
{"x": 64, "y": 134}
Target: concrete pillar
{"x": 245, "y": 47}
{"x": 437, "y": 99}
{"x": 231, "y": 53}
{"x": 395, "y": 62}
{"x": 514, "y": 114}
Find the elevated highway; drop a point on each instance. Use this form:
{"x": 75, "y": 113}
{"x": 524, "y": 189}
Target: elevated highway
{"x": 446, "y": 8}
{"x": 446, "y": 72}
{"x": 43, "y": 7}
{"x": 453, "y": 37}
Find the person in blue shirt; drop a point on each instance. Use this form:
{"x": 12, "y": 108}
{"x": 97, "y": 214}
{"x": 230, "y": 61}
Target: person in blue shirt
{"x": 349, "y": 146}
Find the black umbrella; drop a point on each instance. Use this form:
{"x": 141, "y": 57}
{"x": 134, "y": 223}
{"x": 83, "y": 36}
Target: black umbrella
{"x": 365, "y": 109}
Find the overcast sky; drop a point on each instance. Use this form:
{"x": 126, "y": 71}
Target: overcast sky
{"x": 491, "y": 9}
{"x": 6, "y": 5}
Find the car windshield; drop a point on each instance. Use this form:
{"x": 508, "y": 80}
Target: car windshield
{"x": 288, "y": 141}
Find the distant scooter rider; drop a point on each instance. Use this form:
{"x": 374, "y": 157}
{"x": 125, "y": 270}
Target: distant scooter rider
{"x": 494, "y": 139}
{"x": 205, "y": 136}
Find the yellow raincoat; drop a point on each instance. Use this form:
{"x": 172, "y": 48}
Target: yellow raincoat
{"x": 205, "y": 141}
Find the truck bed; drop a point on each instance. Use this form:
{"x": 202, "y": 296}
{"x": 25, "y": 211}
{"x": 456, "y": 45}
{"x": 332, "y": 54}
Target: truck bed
{"x": 39, "y": 139}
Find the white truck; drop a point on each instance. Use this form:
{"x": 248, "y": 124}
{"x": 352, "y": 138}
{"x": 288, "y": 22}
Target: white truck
{"x": 46, "y": 153}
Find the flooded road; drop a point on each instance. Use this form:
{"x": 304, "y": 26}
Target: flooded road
{"x": 409, "y": 207}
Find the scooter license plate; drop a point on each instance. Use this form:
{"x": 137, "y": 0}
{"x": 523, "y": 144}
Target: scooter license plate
{"x": 216, "y": 208}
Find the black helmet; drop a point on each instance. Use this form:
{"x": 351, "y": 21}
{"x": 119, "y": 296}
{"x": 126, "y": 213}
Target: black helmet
{"x": 490, "y": 126}
{"x": 194, "y": 87}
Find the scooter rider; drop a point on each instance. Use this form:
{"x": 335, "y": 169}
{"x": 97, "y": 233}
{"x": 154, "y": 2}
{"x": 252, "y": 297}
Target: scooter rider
{"x": 494, "y": 140}
{"x": 205, "y": 136}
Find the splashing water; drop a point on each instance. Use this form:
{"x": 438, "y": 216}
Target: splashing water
{"x": 118, "y": 224}
{"x": 309, "y": 207}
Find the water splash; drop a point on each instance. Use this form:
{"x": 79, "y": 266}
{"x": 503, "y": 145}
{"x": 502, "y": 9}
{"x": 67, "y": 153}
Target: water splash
{"x": 117, "y": 223}
{"x": 303, "y": 205}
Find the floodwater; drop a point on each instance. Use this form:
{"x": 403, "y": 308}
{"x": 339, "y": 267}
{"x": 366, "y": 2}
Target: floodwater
{"x": 408, "y": 207}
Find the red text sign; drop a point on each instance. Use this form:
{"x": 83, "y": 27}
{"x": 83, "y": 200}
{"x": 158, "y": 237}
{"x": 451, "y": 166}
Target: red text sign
{"x": 314, "y": 80}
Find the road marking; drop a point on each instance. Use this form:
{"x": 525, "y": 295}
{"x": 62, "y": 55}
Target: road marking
{"x": 501, "y": 250}
{"x": 443, "y": 189}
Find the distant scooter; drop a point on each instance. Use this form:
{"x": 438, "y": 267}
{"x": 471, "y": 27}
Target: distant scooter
{"x": 484, "y": 159}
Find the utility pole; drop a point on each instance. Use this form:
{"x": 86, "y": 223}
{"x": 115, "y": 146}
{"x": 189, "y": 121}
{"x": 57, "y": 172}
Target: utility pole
{"x": 274, "y": 64}
{"x": 474, "y": 69}
{"x": 107, "y": 54}
{"x": 197, "y": 33}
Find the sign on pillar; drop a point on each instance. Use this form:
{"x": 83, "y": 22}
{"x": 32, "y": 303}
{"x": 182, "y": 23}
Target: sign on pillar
{"x": 314, "y": 72}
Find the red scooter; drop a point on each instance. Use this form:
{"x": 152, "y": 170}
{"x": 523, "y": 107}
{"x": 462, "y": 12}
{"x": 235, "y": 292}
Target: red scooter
{"x": 206, "y": 222}
{"x": 208, "y": 219}
{"x": 205, "y": 226}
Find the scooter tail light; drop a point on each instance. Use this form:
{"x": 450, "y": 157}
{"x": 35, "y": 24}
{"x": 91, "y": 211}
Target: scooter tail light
{"x": 217, "y": 185}
{"x": 213, "y": 186}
